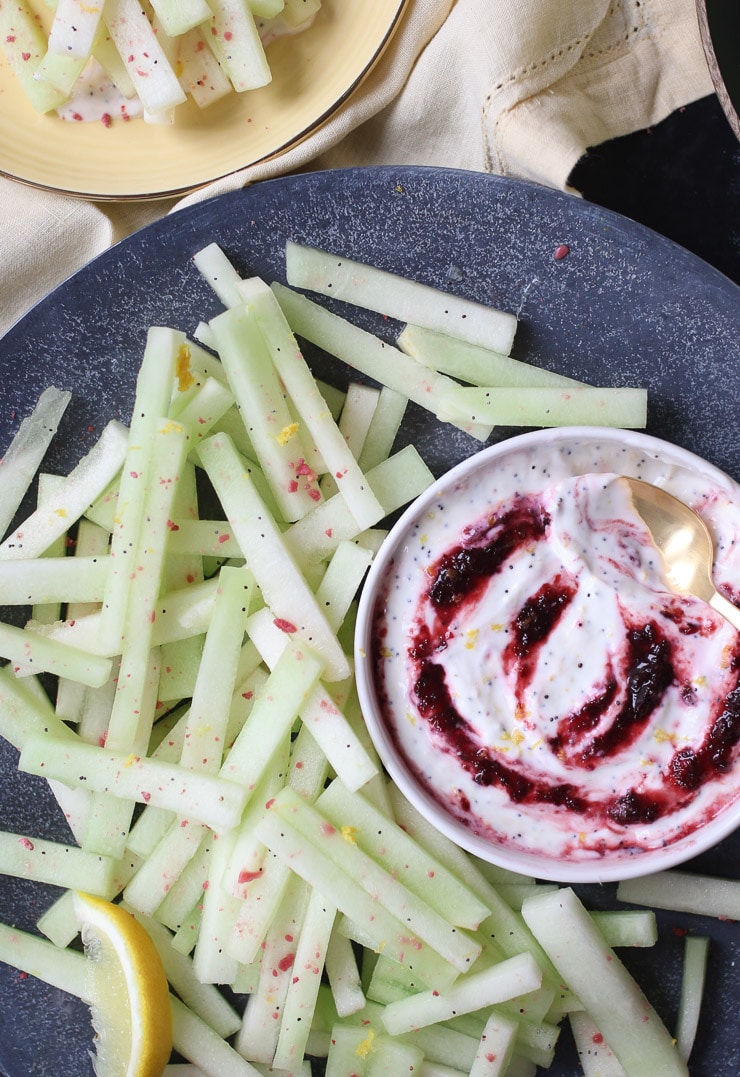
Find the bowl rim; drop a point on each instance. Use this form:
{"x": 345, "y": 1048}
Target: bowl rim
{"x": 608, "y": 868}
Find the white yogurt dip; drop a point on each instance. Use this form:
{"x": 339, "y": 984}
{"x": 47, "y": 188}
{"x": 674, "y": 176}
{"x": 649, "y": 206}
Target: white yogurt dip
{"x": 535, "y": 673}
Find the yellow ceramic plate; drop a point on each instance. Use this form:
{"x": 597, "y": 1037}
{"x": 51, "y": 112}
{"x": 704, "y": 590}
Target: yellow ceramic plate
{"x": 314, "y": 72}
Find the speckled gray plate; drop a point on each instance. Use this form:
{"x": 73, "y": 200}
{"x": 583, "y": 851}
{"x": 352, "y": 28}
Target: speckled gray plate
{"x": 625, "y": 306}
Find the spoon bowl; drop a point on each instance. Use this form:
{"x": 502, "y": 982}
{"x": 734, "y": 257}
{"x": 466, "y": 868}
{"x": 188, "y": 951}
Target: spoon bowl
{"x": 684, "y": 543}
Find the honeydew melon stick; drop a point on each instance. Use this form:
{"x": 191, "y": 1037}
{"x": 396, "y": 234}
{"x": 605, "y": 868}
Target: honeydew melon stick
{"x": 203, "y": 999}
{"x": 145, "y": 60}
{"x": 396, "y": 481}
{"x": 164, "y": 348}
{"x": 24, "y": 44}
{"x": 580, "y": 405}
{"x": 609, "y": 994}
{"x": 354, "y": 421}
{"x": 384, "y": 426}
{"x": 399, "y": 854}
{"x": 71, "y": 497}
{"x": 338, "y": 846}
{"x": 276, "y": 572}
{"x": 65, "y": 969}
{"x": 266, "y": 9}
{"x": 280, "y": 700}
{"x": 277, "y": 440}
{"x": 205, "y": 729}
{"x": 235, "y": 42}
{"x": 196, "y": 1041}
{"x": 134, "y": 703}
{"x": 496, "y": 1047}
{"x": 387, "y": 932}
{"x": 398, "y": 297}
{"x": 74, "y": 27}
{"x": 505, "y": 980}
{"x": 212, "y": 960}
{"x": 23, "y": 712}
{"x": 52, "y": 580}
{"x": 23, "y": 456}
{"x": 471, "y": 363}
{"x": 179, "y": 16}
{"x": 303, "y": 986}
{"x": 163, "y": 866}
{"x": 594, "y": 1053}
{"x": 55, "y": 863}
{"x": 200, "y": 73}
{"x": 696, "y": 950}
{"x": 204, "y": 797}
{"x": 297, "y": 12}
{"x": 301, "y": 386}
{"x": 682, "y": 891}
{"x": 370, "y": 355}
{"x": 48, "y": 613}
{"x": 29, "y": 652}
{"x": 257, "y": 1038}
{"x": 319, "y": 713}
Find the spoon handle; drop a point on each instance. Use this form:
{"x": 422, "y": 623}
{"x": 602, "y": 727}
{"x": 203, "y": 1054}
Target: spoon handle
{"x": 723, "y": 606}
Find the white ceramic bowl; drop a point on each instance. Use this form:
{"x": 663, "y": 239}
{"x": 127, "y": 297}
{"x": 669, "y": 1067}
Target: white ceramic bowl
{"x": 622, "y": 453}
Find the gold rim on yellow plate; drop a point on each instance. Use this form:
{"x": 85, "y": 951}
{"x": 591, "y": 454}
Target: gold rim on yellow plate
{"x": 314, "y": 73}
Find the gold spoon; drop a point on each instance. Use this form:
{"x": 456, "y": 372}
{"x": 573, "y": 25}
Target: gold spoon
{"x": 684, "y": 543}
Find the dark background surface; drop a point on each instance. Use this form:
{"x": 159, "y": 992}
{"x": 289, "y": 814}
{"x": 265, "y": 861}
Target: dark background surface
{"x": 682, "y": 179}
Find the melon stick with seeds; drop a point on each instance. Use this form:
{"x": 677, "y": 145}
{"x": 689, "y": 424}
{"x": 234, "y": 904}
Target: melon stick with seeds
{"x": 24, "y": 44}
{"x": 300, "y": 384}
{"x": 70, "y": 498}
{"x": 212, "y": 800}
{"x": 154, "y": 79}
{"x": 277, "y": 575}
{"x": 338, "y": 847}
{"x": 602, "y": 984}
{"x": 398, "y": 297}
{"x": 22, "y": 458}
{"x": 693, "y": 981}
{"x": 260, "y": 396}
{"x": 371, "y": 356}
{"x": 473, "y": 364}
{"x": 681, "y": 891}
{"x": 580, "y": 405}
{"x": 42, "y": 580}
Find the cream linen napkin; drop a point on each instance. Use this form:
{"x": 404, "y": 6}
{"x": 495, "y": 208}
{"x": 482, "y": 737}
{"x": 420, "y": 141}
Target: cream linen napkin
{"x": 517, "y": 87}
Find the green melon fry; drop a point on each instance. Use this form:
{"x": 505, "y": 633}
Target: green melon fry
{"x": 133, "y": 35}
{"x": 71, "y": 497}
{"x": 398, "y": 297}
{"x": 682, "y": 891}
{"x": 23, "y": 456}
{"x": 53, "y": 862}
{"x": 44, "y": 580}
{"x": 279, "y": 445}
{"x": 580, "y": 405}
{"x": 24, "y": 44}
{"x": 505, "y": 980}
{"x": 235, "y": 41}
{"x": 696, "y": 952}
{"x": 178, "y": 16}
{"x": 38, "y": 957}
{"x": 282, "y": 585}
{"x": 399, "y": 854}
{"x": 371, "y": 356}
{"x": 209, "y": 799}
{"x": 472, "y": 364}
{"x": 338, "y": 846}
{"x": 296, "y": 376}
{"x": 598, "y": 978}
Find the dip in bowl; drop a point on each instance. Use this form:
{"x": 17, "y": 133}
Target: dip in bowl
{"x": 529, "y": 680}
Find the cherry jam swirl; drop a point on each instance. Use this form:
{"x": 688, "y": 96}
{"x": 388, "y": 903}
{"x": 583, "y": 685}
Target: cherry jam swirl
{"x": 631, "y": 688}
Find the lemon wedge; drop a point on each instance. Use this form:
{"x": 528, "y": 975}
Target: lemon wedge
{"x": 128, "y": 991}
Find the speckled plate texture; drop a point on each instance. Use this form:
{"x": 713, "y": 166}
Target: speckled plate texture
{"x": 624, "y": 306}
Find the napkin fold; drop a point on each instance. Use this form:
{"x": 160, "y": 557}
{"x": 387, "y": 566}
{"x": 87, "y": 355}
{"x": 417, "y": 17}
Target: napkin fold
{"x": 516, "y": 87}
